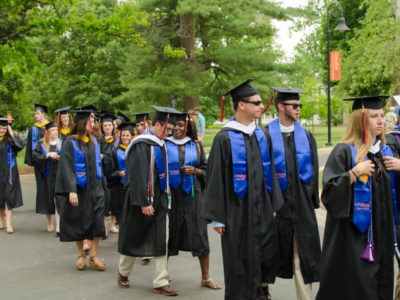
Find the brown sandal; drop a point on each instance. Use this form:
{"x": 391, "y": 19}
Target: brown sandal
{"x": 123, "y": 281}
{"x": 79, "y": 264}
{"x": 211, "y": 284}
{"x": 100, "y": 266}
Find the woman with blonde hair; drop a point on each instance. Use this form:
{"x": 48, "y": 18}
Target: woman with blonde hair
{"x": 45, "y": 159}
{"x": 359, "y": 194}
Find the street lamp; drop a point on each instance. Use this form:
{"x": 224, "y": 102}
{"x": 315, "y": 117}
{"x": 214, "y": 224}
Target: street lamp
{"x": 340, "y": 27}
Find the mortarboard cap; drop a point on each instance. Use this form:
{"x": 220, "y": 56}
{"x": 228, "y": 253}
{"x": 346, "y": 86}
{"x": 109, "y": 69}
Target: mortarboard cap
{"x": 107, "y": 117}
{"x": 141, "y": 116}
{"x": 126, "y": 126}
{"x": 50, "y": 124}
{"x": 88, "y": 107}
{"x": 372, "y": 102}
{"x": 287, "y": 94}
{"x": 43, "y": 108}
{"x": 163, "y": 113}
{"x": 241, "y": 91}
{"x": 62, "y": 111}
{"x": 81, "y": 114}
{"x": 4, "y": 121}
{"x": 123, "y": 117}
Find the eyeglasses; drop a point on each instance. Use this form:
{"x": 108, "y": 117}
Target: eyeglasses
{"x": 256, "y": 103}
{"x": 294, "y": 105}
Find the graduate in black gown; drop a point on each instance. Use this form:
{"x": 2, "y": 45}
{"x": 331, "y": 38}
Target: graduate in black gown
{"x": 45, "y": 159}
{"x": 64, "y": 122}
{"x": 143, "y": 230}
{"x": 35, "y": 133}
{"x": 107, "y": 149}
{"x": 242, "y": 194}
{"x": 296, "y": 164}
{"x": 79, "y": 190}
{"x": 10, "y": 191}
{"x": 359, "y": 193}
{"x": 116, "y": 176}
{"x": 187, "y": 173}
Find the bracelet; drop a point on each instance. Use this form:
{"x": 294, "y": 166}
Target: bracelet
{"x": 351, "y": 170}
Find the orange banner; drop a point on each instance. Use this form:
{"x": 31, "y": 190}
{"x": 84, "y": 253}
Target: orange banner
{"x": 335, "y": 65}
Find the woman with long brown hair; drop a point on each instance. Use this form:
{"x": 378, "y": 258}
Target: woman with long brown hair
{"x": 64, "y": 122}
{"x": 10, "y": 191}
{"x": 80, "y": 191}
{"x": 359, "y": 193}
{"x": 45, "y": 159}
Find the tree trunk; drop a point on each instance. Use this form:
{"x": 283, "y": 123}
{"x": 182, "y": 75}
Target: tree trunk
{"x": 187, "y": 35}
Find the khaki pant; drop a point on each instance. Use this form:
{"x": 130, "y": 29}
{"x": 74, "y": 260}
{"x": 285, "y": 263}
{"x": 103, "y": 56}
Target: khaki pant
{"x": 397, "y": 290}
{"x": 303, "y": 291}
{"x": 160, "y": 277}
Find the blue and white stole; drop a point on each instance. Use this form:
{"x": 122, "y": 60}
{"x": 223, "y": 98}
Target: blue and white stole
{"x": 10, "y": 162}
{"x": 174, "y": 173}
{"x": 303, "y": 153}
{"x": 80, "y": 163}
{"x": 239, "y": 156}
{"x": 363, "y": 194}
{"x": 121, "y": 161}
{"x": 46, "y": 173}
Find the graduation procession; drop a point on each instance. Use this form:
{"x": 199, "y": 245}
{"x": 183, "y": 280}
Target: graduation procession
{"x": 139, "y": 198}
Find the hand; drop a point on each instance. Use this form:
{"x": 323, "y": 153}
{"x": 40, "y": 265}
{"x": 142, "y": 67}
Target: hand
{"x": 10, "y": 132}
{"x": 188, "y": 170}
{"x": 219, "y": 230}
{"x": 392, "y": 163}
{"x": 148, "y": 210}
{"x": 365, "y": 167}
{"x": 122, "y": 174}
{"x": 29, "y": 168}
{"x": 102, "y": 156}
{"x": 73, "y": 199}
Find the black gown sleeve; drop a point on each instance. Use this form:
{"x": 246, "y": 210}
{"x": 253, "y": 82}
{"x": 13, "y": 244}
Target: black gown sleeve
{"x": 28, "y": 152}
{"x": 337, "y": 191}
{"x": 112, "y": 170}
{"x": 16, "y": 143}
{"x": 138, "y": 165}
{"x": 202, "y": 166}
{"x": 39, "y": 159}
{"x": 315, "y": 164}
{"x": 66, "y": 179}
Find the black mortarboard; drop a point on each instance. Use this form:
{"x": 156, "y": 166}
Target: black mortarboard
{"x": 241, "y": 91}
{"x": 141, "y": 116}
{"x": 181, "y": 116}
{"x": 62, "y": 111}
{"x": 49, "y": 125}
{"x": 123, "y": 117}
{"x": 107, "y": 117}
{"x": 163, "y": 113}
{"x": 372, "y": 102}
{"x": 4, "y": 121}
{"x": 287, "y": 94}
{"x": 43, "y": 108}
{"x": 90, "y": 107}
{"x": 81, "y": 114}
{"x": 126, "y": 126}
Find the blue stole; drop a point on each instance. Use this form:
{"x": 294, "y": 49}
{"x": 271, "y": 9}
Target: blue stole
{"x": 10, "y": 157}
{"x": 174, "y": 173}
{"x": 35, "y": 136}
{"x": 303, "y": 153}
{"x": 47, "y": 160}
{"x": 363, "y": 196}
{"x": 121, "y": 162}
{"x": 116, "y": 142}
{"x": 158, "y": 158}
{"x": 80, "y": 163}
{"x": 239, "y": 161}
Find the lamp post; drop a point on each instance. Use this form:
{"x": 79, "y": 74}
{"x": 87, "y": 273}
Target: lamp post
{"x": 340, "y": 27}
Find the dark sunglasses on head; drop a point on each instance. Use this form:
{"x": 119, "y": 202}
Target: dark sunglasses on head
{"x": 256, "y": 103}
{"x": 294, "y": 105}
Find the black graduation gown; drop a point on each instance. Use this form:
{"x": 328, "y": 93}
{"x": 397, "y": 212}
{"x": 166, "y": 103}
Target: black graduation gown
{"x": 106, "y": 148}
{"x": 250, "y": 243}
{"x": 116, "y": 188}
{"x": 85, "y": 221}
{"x": 141, "y": 235}
{"x": 187, "y": 228}
{"x": 344, "y": 275}
{"x": 41, "y": 187}
{"x": 10, "y": 194}
{"x": 46, "y": 205}
{"x": 297, "y": 218}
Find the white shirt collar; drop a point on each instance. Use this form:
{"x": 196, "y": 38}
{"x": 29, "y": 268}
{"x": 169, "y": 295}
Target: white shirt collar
{"x": 53, "y": 142}
{"x": 249, "y": 129}
{"x": 179, "y": 141}
{"x": 286, "y": 129}
{"x": 375, "y": 148}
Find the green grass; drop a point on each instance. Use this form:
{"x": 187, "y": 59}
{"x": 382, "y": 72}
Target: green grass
{"x": 320, "y": 133}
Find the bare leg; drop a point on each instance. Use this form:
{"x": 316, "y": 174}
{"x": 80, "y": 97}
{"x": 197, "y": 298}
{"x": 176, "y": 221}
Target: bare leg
{"x": 86, "y": 245}
{"x": 57, "y": 220}
{"x": 80, "y": 263}
{"x": 94, "y": 260}
{"x": 50, "y": 227}
{"x": 2, "y": 222}
{"x": 8, "y": 213}
{"x": 105, "y": 225}
{"x": 205, "y": 274}
{"x": 112, "y": 225}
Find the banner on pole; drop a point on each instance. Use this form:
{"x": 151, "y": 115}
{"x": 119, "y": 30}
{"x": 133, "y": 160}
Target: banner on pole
{"x": 335, "y": 65}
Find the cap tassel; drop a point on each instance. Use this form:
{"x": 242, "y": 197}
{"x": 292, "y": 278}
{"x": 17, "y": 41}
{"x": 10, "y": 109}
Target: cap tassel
{"x": 186, "y": 126}
{"x": 221, "y": 115}
{"x": 9, "y": 118}
{"x": 164, "y": 128}
{"x": 58, "y": 119}
{"x": 269, "y": 102}
{"x": 364, "y": 124}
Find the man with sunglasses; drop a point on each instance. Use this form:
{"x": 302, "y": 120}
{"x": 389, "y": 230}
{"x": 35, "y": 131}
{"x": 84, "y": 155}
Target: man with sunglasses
{"x": 242, "y": 194}
{"x": 296, "y": 165}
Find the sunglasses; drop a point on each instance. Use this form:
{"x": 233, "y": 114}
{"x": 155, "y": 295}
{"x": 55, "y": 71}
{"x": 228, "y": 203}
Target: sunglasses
{"x": 256, "y": 103}
{"x": 295, "y": 106}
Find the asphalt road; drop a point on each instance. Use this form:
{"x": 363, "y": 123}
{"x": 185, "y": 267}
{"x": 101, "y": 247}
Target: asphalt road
{"x": 34, "y": 264}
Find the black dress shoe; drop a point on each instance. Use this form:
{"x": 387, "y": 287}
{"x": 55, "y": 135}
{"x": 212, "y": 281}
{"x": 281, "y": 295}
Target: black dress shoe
{"x": 264, "y": 293}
